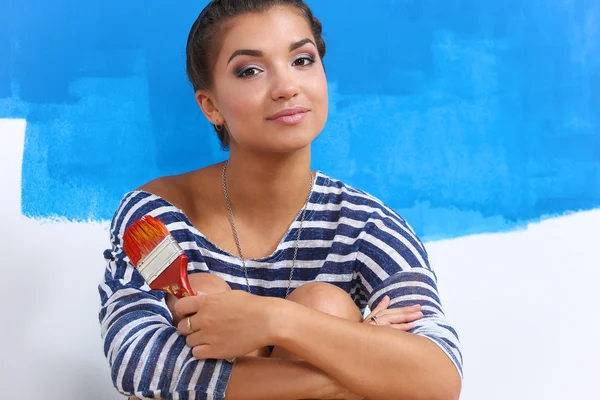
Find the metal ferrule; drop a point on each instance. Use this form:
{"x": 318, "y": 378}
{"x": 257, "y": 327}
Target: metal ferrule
{"x": 159, "y": 259}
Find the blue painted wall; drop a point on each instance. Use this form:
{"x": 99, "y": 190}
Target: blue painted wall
{"x": 465, "y": 116}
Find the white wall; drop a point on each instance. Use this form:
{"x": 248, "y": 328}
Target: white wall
{"x": 51, "y": 270}
{"x": 524, "y": 303}
{"x": 526, "y": 307}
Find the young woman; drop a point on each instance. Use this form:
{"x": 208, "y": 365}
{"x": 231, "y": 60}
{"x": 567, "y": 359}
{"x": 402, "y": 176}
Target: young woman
{"x": 285, "y": 259}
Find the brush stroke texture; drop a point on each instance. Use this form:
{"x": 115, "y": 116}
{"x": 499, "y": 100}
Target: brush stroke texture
{"x": 465, "y": 117}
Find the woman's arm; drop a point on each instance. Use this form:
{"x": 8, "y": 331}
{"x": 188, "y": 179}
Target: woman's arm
{"x": 147, "y": 356}
{"x": 372, "y": 361}
{"x": 150, "y": 359}
{"x": 275, "y": 379}
{"x": 423, "y": 364}
{"x": 376, "y": 362}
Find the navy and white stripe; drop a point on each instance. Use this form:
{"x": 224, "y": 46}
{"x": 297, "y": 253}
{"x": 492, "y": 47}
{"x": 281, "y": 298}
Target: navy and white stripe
{"x": 349, "y": 239}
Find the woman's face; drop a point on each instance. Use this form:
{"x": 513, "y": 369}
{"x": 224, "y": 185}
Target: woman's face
{"x": 269, "y": 84}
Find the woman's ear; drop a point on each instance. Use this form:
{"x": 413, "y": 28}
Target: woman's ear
{"x": 209, "y": 108}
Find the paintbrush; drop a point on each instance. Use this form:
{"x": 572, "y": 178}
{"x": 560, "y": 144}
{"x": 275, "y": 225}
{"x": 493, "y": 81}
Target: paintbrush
{"x": 157, "y": 256}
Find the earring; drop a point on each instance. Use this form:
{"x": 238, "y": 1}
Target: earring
{"x": 219, "y": 128}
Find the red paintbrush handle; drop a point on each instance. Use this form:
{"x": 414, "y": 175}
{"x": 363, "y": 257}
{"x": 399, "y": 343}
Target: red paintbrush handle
{"x": 174, "y": 279}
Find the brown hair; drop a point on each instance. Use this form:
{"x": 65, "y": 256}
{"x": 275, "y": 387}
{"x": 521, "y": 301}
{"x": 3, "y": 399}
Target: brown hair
{"x": 204, "y": 38}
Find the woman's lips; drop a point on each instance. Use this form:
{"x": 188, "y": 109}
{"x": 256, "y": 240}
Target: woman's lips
{"x": 289, "y": 116}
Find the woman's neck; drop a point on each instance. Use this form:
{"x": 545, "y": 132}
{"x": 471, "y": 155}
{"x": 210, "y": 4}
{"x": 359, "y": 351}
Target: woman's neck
{"x": 266, "y": 187}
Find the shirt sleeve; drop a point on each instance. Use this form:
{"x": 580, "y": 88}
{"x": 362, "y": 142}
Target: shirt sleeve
{"x": 392, "y": 261}
{"x": 148, "y": 357}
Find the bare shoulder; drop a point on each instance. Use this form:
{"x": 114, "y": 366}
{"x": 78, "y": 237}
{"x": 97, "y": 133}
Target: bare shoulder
{"x": 181, "y": 190}
{"x": 171, "y": 188}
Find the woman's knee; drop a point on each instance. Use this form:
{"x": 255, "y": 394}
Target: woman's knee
{"x": 208, "y": 283}
{"x": 326, "y": 298}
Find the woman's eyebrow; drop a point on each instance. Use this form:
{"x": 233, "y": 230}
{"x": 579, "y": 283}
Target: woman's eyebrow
{"x": 245, "y": 52}
{"x": 259, "y": 53}
{"x": 301, "y": 43}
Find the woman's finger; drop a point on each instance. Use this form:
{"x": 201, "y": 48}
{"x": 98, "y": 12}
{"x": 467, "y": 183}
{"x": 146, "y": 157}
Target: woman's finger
{"x": 402, "y": 327}
{"x": 411, "y": 313}
{"x": 171, "y": 300}
{"x": 188, "y": 325}
{"x": 195, "y": 339}
{"x": 383, "y": 304}
{"x": 401, "y": 310}
{"x": 188, "y": 305}
{"x": 401, "y": 318}
{"x": 201, "y": 352}
{"x": 400, "y": 315}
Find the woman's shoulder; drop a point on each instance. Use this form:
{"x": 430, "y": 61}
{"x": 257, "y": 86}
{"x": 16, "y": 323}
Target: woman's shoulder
{"x": 370, "y": 213}
{"x": 342, "y": 193}
{"x": 168, "y": 198}
{"x": 334, "y": 185}
{"x": 184, "y": 191}
{"x": 172, "y": 189}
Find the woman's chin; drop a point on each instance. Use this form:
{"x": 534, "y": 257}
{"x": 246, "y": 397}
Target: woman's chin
{"x": 282, "y": 143}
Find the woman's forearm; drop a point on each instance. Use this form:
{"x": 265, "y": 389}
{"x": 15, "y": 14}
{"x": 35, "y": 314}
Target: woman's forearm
{"x": 275, "y": 379}
{"x": 376, "y": 362}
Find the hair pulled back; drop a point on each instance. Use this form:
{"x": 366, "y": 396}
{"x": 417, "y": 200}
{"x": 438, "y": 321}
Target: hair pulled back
{"x": 205, "y": 37}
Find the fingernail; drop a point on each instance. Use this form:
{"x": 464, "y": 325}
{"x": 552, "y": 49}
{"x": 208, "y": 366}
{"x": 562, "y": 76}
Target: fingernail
{"x": 200, "y": 294}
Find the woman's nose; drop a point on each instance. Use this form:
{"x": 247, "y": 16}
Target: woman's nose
{"x": 284, "y": 86}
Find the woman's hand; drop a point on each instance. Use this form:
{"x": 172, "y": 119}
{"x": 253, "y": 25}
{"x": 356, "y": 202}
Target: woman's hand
{"x": 171, "y": 300}
{"x": 225, "y": 325}
{"x": 396, "y": 318}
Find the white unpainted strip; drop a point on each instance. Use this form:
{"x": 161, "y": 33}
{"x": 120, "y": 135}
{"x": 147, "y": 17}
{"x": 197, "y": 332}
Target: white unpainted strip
{"x": 12, "y": 137}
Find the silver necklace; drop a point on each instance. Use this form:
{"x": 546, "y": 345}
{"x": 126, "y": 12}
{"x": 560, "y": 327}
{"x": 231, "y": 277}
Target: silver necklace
{"x": 237, "y": 239}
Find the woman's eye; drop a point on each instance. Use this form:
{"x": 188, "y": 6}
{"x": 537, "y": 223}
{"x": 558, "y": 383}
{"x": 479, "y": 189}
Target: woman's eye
{"x": 303, "y": 61}
{"x": 248, "y": 72}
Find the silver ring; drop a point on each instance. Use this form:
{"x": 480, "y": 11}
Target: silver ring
{"x": 374, "y": 319}
{"x": 189, "y": 325}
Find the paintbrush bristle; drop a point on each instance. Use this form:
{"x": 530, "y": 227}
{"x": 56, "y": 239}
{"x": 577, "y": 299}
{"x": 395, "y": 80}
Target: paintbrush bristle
{"x": 142, "y": 237}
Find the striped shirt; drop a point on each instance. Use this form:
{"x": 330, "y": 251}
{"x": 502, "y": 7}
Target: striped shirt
{"x": 349, "y": 239}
